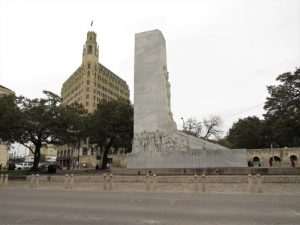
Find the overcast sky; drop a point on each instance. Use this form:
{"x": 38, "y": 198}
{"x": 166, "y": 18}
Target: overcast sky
{"x": 221, "y": 54}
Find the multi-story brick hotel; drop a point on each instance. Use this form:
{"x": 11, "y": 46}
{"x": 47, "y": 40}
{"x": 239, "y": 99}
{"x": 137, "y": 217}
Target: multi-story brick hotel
{"x": 88, "y": 85}
{"x": 92, "y": 81}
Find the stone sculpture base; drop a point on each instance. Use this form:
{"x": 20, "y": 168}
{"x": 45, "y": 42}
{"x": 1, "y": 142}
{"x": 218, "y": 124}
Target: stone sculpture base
{"x": 204, "y": 158}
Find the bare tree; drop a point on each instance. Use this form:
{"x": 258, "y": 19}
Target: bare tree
{"x": 212, "y": 126}
{"x": 208, "y": 128}
{"x": 192, "y": 127}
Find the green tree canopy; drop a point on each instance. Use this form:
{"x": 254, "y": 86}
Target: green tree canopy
{"x": 283, "y": 110}
{"x": 281, "y": 124}
{"x": 10, "y": 116}
{"x": 247, "y": 133}
{"x": 36, "y": 122}
{"x": 111, "y": 126}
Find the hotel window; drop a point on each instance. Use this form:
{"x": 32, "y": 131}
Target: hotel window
{"x": 90, "y": 49}
{"x": 85, "y": 151}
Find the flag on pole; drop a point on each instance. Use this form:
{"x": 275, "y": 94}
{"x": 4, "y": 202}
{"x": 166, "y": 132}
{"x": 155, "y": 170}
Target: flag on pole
{"x": 92, "y": 23}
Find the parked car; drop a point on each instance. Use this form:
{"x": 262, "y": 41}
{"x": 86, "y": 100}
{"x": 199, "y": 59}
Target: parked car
{"x": 23, "y": 166}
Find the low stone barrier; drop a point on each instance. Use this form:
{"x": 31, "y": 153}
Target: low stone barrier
{"x": 5, "y": 180}
{"x": 255, "y": 183}
{"x": 174, "y": 179}
{"x": 110, "y": 182}
{"x": 69, "y": 181}
{"x": 147, "y": 182}
{"x": 1, "y": 180}
{"x": 196, "y": 186}
{"x": 196, "y": 183}
{"x": 34, "y": 181}
{"x": 210, "y": 171}
{"x": 152, "y": 182}
{"x": 250, "y": 183}
{"x": 104, "y": 182}
{"x": 259, "y": 185}
{"x": 203, "y": 183}
{"x": 37, "y": 181}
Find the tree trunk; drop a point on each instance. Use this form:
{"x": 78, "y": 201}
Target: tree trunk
{"x": 105, "y": 153}
{"x": 37, "y": 155}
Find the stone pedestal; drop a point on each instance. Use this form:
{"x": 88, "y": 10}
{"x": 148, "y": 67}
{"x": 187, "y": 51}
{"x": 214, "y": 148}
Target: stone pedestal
{"x": 188, "y": 159}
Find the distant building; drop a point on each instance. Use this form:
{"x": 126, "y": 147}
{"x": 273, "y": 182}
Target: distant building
{"x": 88, "y": 85}
{"x": 92, "y": 81}
{"x": 5, "y": 90}
{"x": 4, "y": 146}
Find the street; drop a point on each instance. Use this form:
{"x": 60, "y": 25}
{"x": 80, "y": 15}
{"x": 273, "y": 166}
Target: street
{"x": 24, "y": 206}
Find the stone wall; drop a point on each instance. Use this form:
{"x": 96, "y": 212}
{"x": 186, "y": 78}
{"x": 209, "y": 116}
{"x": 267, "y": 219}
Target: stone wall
{"x": 119, "y": 161}
{"x": 205, "y": 158}
{"x": 88, "y": 160}
{"x": 210, "y": 171}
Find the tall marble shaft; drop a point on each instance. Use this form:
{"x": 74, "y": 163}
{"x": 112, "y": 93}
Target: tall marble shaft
{"x": 157, "y": 143}
{"x": 152, "y": 108}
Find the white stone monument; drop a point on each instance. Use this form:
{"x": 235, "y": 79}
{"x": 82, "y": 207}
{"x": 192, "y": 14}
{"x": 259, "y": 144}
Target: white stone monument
{"x": 157, "y": 143}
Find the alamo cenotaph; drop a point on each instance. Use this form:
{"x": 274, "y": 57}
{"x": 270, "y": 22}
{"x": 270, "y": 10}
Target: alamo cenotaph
{"x": 157, "y": 142}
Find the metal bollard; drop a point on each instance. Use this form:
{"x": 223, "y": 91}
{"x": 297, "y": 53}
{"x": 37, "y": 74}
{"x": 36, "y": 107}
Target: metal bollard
{"x": 66, "y": 181}
{"x": 154, "y": 182}
{"x": 37, "y": 181}
{"x": 110, "y": 182}
{"x": 196, "y": 186}
{"x": 259, "y": 183}
{"x": 1, "y": 180}
{"x": 72, "y": 181}
{"x": 203, "y": 183}
{"x": 250, "y": 184}
{"x": 104, "y": 181}
{"x": 5, "y": 179}
{"x": 147, "y": 182}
